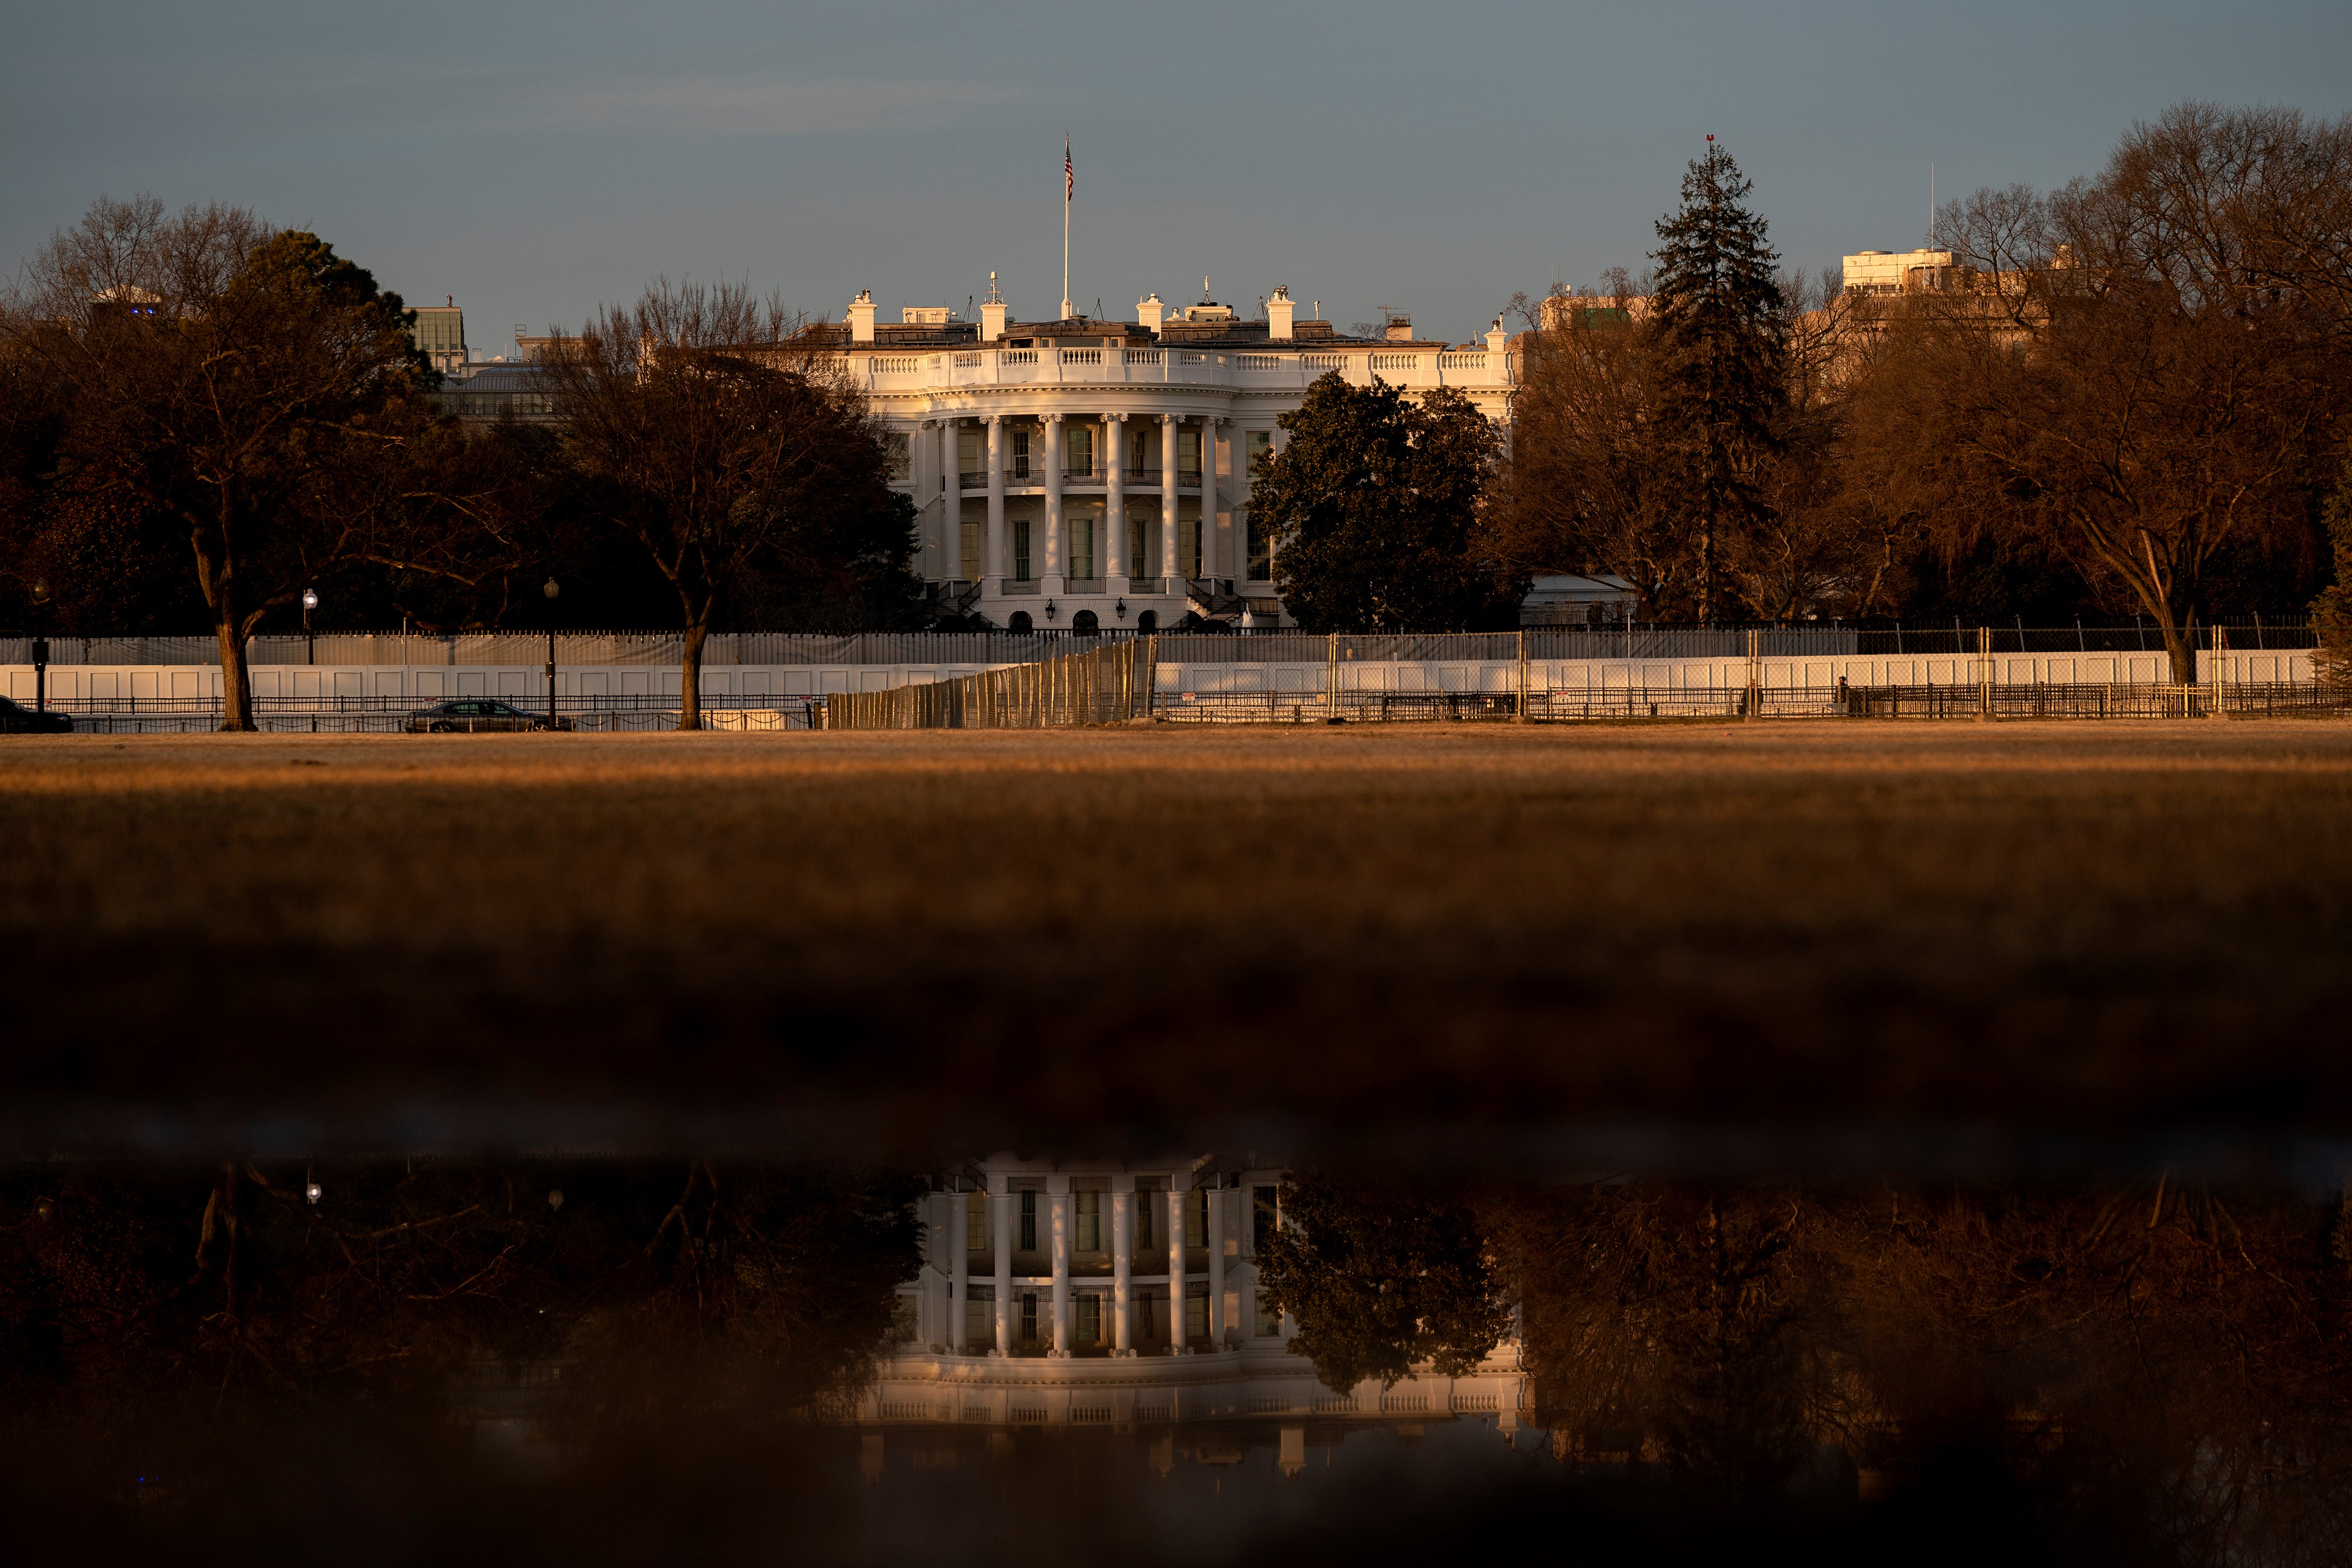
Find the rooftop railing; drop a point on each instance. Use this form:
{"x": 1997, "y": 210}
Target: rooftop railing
{"x": 1472, "y": 370}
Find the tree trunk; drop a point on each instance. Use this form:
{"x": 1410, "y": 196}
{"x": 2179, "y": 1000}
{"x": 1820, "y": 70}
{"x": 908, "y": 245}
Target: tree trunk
{"x": 2180, "y": 648}
{"x": 237, "y": 683}
{"x": 689, "y": 700}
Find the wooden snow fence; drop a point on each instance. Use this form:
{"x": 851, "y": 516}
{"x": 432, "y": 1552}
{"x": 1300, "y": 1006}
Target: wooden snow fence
{"x": 1105, "y": 685}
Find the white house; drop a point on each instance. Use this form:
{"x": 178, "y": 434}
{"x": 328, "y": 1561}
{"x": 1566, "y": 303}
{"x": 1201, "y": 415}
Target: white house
{"x": 1090, "y": 472}
{"x": 1075, "y": 1293}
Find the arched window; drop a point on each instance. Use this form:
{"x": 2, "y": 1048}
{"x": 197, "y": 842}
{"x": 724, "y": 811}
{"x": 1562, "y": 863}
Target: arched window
{"x": 1086, "y": 623}
{"x": 1148, "y": 622}
{"x": 1020, "y": 621}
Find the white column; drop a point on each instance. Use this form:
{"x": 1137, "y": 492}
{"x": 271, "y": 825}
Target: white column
{"x": 1122, "y": 1250}
{"x": 1057, "y": 1189}
{"x": 951, "y": 499}
{"x": 1167, "y": 497}
{"x": 1001, "y": 1202}
{"x": 1115, "y": 562}
{"x": 959, "y": 1268}
{"x": 1209, "y": 428}
{"x": 1052, "y": 569}
{"x": 992, "y": 565}
{"x": 1217, "y": 1264}
{"x": 1177, "y": 1187}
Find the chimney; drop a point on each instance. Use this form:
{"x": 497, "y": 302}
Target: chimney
{"x": 861, "y": 316}
{"x": 1149, "y": 311}
{"x": 1498, "y": 341}
{"x": 1399, "y": 329}
{"x": 992, "y": 313}
{"x": 1278, "y": 311}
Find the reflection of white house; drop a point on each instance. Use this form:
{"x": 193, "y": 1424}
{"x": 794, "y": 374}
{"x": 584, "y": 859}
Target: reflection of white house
{"x": 1083, "y": 471}
{"x": 1061, "y": 1293}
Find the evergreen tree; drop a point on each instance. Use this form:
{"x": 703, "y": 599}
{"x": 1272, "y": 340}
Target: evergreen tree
{"x": 1718, "y": 317}
{"x": 1376, "y": 509}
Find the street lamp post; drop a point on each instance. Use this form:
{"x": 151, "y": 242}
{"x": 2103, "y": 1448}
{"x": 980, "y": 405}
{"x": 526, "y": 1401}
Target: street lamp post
{"x": 551, "y": 587}
{"x": 41, "y": 647}
{"x": 310, "y": 602}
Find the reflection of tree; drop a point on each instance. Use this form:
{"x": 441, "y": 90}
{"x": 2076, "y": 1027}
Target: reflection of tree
{"x": 134, "y": 1300}
{"x": 1380, "y": 1281}
{"x": 2167, "y": 1370}
{"x": 1669, "y": 1324}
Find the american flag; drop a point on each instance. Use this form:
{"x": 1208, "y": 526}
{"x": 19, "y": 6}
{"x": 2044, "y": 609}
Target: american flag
{"x": 1069, "y": 172}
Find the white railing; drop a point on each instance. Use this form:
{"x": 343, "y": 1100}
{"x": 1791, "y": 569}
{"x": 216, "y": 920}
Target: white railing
{"x": 1173, "y": 367}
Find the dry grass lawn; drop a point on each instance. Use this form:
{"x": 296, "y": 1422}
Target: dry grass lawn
{"x": 1077, "y": 936}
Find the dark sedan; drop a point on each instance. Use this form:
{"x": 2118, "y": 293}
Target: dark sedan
{"x": 478, "y": 715}
{"x": 17, "y": 719}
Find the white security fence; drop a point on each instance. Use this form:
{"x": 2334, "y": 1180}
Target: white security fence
{"x": 1578, "y": 674}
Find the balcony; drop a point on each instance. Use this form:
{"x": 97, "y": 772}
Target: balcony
{"x": 1274, "y": 368}
{"x": 972, "y": 481}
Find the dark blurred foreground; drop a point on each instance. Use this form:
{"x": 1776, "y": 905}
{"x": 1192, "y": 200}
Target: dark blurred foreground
{"x": 440, "y": 1361}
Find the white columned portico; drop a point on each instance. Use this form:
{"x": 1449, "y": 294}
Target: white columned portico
{"x": 1166, "y": 567}
{"x": 1122, "y": 1253}
{"x": 1115, "y": 562}
{"x": 1057, "y": 1190}
{"x": 1000, "y": 1203}
{"x": 1178, "y": 1186}
{"x": 1051, "y": 570}
{"x": 951, "y": 498}
{"x": 959, "y": 1268}
{"x": 1217, "y": 1255}
{"x": 992, "y": 568}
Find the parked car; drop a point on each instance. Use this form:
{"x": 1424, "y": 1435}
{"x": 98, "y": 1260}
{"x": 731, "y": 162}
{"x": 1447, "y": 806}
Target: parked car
{"x": 477, "y": 715}
{"x": 17, "y": 719}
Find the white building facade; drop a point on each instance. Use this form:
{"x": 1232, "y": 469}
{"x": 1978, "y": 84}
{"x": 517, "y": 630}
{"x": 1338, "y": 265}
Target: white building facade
{"x": 1089, "y": 474}
{"x": 1065, "y": 1293}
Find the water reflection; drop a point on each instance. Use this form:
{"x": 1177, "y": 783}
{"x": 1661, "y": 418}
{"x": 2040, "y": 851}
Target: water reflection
{"x": 1047, "y": 1360}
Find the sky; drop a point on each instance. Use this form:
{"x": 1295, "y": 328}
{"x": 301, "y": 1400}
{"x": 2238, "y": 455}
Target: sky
{"x": 534, "y": 159}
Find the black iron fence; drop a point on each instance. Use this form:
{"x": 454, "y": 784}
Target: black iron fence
{"x": 393, "y": 714}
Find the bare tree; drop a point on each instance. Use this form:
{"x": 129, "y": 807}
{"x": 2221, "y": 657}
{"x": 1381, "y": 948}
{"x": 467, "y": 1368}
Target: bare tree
{"x": 250, "y": 384}
{"x": 703, "y": 424}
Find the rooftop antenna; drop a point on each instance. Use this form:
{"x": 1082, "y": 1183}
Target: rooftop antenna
{"x": 1204, "y": 289}
{"x": 993, "y": 297}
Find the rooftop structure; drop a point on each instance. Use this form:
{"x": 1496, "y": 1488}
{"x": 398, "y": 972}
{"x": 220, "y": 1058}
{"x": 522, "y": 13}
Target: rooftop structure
{"x": 439, "y": 332}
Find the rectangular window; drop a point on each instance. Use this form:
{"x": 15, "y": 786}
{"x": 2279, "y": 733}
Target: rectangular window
{"x": 974, "y": 532}
{"x": 1187, "y": 456}
{"x": 1082, "y": 547}
{"x": 1196, "y": 1315}
{"x": 894, "y": 447}
{"x": 1078, "y": 462}
{"x": 1142, "y": 459}
{"x": 1140, "y": 561}
{"x": 971, "y": 451}
{"x": 1269, "y": 1322}
{"x": 1265, "y": 1214}
{"x": 975, "y": 1222}
{"x": 1090, "y": 1221}
{"x": 1021, "y": 573}
{"x": 980, "y": 1316}
{"x": 1029, "y": 1317}
{"x": 1196, "y": 1219}
{"x": 1188, "y": 546}
{"x": 1087, "y": 1325}
{"x": 1141, "y": 1328}
{"x": 1260, "y": 444}
{"x": 1029, "y": 1222}
{"x": 1021, "y": 457}
{"x": 1145, "y": 1202}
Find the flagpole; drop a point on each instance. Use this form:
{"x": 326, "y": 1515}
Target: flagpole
{"x": 1069, "y": 189}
